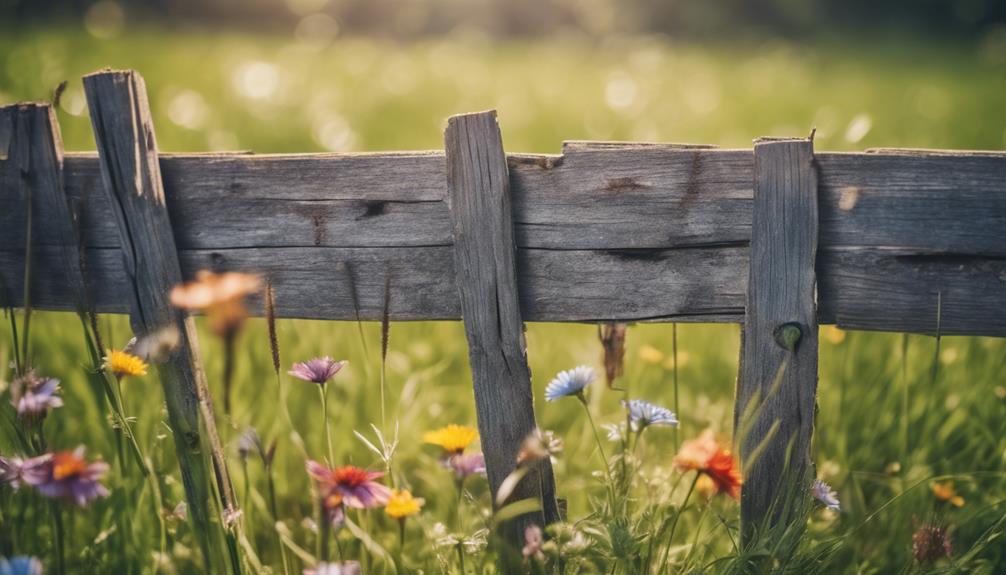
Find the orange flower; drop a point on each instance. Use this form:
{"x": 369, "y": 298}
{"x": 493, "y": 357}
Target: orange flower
{"x": 220, "y": 297}
{"x": 710, "y": 459}
{"x": 945, "y": 492}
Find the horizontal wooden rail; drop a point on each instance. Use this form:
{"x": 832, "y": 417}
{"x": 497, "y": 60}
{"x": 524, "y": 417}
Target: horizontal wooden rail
{"x": 605, "y": 231}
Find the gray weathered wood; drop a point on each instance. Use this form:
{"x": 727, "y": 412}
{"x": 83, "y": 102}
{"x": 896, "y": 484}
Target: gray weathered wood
{"x": 599, "y": 212}
{"x": 482, "y": 222}
{"x": 774, "y": 412}
{"x": 124, "y": 133}
{"x": 601, "y": 197}
{"x": 35, "y": 131}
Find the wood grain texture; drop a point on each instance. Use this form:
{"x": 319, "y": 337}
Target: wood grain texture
{"x": 127, "y": 148}
{"x": 610, "y": 207}
{"x": 484, "y": 257}
{"x": 776, "y": 389}
{"x": 34, "y": 150}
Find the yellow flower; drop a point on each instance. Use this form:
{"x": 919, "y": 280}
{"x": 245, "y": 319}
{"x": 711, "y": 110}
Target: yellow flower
{"x": 402, "y": 504}
{"x": 453, "y": 438}
{"x": 650, "y": 354}
{"x": 945, "y": 492}
{"x": 833, "y": 334}
{"x": 123, "y": 364}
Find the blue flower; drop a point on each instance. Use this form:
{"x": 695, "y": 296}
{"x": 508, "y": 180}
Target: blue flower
{"x": 643, "y": 414}
{"x": 569, "y": 382}
{"x": 825, "y": 494}
{"x": 20, "y": 566}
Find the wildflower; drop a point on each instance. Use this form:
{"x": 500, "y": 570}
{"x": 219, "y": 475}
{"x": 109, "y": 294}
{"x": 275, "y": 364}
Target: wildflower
{"x": 220, "y": 296}
{"x": 537, "y": 446}
{"x": 20, "y": 566}
{"x": 931, "y": 542}
{"x": 706, "y": 456}
{"x": 944, "y": 491}
{"x": 66, "y": 475}
{"x": 318, "y": 370}
{"x": 10, "y": 471}
{"x": 123, "y": 364}
{"x": 346, "y": 568}
{"x": 616, "y": 431}
{"x": 643, "y": 414}
{"x": 533, "y": 539}
{"x": 825, "y": 494}
{"x": 355, "y": 487}
{"x": 650, "y": 354}
{"x": 402, "y": 504}
{"x": 33, "y": 397}
{"x": 453, "y": 439}
{"x": 465, "y": 465}
{"x": 705, "y": 486}
{"x": 248, "y": 442}
{"x": 569, "y": 382}
{"x": 156, "y": 346}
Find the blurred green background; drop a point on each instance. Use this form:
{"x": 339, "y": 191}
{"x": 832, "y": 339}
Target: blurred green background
{"x": 314, "y": 76}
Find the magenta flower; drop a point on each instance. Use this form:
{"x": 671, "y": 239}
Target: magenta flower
{"x": 66, "y": 475}
{"x": 318, "y": 370}
{"x": 465, "y": 465}
{"x": 348, "y": 485}
{"x": 33, "y": 396}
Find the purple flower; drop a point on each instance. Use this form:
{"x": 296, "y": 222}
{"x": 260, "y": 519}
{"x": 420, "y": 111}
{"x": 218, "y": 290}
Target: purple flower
{"x": 465, "y": 465}
{"x": 348, "y": 485}
{"x": 33, "y": 396}
{"x": 931, "y": 542}
{"x": 66, "y": 475}
{"x": 318, "y": 370}
{"x": 347, "y": 568}
{"x": 825, "y": 494}
{"x": 10, "y": 471}
{"x": 643, "y": 414}
{"x": 20, "y": 566}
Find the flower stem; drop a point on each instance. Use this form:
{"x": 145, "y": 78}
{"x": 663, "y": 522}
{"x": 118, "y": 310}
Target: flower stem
{"x": 461, "y": 557}
{"x": 57, "y": 526}
{"x": 674, "y": 372}
{"x": 600, "y": 449}
{"x": 328, "y": 432}
{"x": 677, "y": 516}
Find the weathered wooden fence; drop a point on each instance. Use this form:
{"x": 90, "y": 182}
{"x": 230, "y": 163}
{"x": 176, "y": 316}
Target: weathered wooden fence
{"x": 779, "y": 238}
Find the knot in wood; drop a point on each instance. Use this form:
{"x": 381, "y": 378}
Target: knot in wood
{"x": 788, "y": 335}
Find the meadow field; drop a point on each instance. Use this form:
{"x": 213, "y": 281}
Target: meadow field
{"x": 911, "y": 430}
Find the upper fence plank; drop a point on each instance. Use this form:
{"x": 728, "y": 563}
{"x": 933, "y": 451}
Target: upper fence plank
{"x": 609, "y": 208}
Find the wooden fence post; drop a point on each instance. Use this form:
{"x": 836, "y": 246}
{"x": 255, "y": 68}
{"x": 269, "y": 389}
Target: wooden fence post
{"x": 130, "y": 169}
{"x": 478, "y": 187}
{"x": 774, "y": 413}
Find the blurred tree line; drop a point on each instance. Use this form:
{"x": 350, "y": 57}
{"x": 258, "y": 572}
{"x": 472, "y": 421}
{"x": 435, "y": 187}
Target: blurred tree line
{"x": 410, "y": 18}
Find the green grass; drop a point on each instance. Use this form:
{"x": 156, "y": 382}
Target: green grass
{"x": 364, "y": 95}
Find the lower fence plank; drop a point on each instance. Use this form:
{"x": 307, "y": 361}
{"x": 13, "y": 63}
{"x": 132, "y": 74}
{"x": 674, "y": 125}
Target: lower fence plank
{"x": 124, "y": 133}
{"x": 484, "y": 256}
{"x": 776, "y": 390}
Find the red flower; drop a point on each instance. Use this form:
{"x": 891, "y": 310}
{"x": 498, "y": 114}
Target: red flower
{"x": 707, "y": 456}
